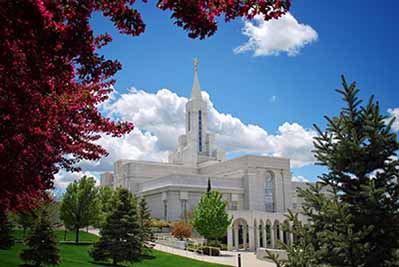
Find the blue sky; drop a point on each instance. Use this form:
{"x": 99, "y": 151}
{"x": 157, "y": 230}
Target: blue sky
{"x": 356, "y": 38}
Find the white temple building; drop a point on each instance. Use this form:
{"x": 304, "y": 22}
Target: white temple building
{"x": 258, "y": 189}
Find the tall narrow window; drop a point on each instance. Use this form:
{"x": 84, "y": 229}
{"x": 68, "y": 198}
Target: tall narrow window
{"x": 189, "y": 121}
{"x": 200, "y": 131}
{"x": 165, "y": 210}
{"x": 269, "y": 198}
{"x": 184, "y": 209}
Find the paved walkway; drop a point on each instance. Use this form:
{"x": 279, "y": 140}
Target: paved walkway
{"x": 248, "y": 259}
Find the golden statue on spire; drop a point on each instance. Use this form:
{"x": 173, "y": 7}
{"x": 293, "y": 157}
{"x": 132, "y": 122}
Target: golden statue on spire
{"x": 196, "y": 64}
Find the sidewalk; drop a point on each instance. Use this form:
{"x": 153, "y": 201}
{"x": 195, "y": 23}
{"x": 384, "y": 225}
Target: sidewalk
{"x": 248, "y": 259}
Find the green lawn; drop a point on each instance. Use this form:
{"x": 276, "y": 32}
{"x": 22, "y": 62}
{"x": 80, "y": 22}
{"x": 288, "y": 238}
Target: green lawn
{"x": 77, "y": 256}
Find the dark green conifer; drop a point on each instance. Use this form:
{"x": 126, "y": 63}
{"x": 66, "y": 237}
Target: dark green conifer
{"x": 121, "y": 234}
{"x": 6, "y": 238}
{"x": 42, "y": 244}
{"x": 358, "y": 223}
{"x": 147, "y": 235}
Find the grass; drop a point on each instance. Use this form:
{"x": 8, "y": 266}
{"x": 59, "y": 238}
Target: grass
{"x": 70, "y": 236}
{"x": 78, "y": 256}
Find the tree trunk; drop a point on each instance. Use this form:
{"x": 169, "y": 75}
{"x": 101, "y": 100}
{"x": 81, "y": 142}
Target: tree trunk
{"x": 77, "y": 235}
{"x": 65, "y": 233}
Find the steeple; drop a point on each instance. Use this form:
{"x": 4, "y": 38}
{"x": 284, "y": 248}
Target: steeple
{"x": 196, "y": 90}
{"x": 197, "y": 144}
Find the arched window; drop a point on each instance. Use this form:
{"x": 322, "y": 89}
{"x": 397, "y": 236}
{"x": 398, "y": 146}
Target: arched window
{"x": 269, "y": 197}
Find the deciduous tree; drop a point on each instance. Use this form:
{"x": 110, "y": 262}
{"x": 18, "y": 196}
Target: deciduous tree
{"x": 52, "y": 80}
{"x": 80, "y": 205}
{"x": 25, "y": 219}
{"x": 105, "y": 194}
{"x": 210, "y": 218}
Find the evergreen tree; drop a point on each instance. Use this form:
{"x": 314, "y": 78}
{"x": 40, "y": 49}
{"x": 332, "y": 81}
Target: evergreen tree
{"x": 80, "y": 205}
{"x": 121, "y": 238}
{"x": 144, "y": 217}
{"x": 210, "y": 218}
{"x": 42, "y": 243}
{"x": 6, "y": 238}
{"x": 357, "y": 223}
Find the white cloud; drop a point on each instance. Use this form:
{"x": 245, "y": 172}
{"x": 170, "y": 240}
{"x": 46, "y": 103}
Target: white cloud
{"x": 162, "y": 115}
{"x": 294, "y": 142}
{"x": 299, "y": 178}
{"x": 159, "y": 120}
{"x": 394, "y": 112}
{"x": 64, "y": 178}
{"x": 271, "y": 37}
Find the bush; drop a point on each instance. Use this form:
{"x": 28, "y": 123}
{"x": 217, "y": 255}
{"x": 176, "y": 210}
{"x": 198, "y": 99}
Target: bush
{"x": 207, "y": 250}
{"x": 159, "y": 223}
{"x": 181, "y": 230}
{"x": 217, "y": 244}
{"x": 214, "y": 243}
{"x": 193, "y": 247}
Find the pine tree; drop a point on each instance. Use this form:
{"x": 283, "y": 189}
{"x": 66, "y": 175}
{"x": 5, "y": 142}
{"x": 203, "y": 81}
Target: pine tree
{"x": 121, "y": 234}
{"x": 42, "y": 243}
{"x": 357, "y": 224}
{"x": 210, "y": 218}
{"x": 6, "y": 238}
{"x": 147, "y": 236}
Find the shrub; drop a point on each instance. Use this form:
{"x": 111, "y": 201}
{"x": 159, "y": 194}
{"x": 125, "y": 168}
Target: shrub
{"x": 159, "y": 223}
{"x": 181, "y": 230}
{"x": 193, "y": 247}
{"x": 214, "y": 243}
{"x": 207, "y": 250}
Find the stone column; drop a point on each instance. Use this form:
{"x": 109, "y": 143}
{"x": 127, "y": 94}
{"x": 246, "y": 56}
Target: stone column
{"x": 236, "y": 240}
{"x": 258, "y": 234}
{"x": 252, "y": 238}
{"x": 291, "y": 235}
{"x": 281, "y": 233}
{"x": 230, "y": 237}
{"x": 272, "y": 235}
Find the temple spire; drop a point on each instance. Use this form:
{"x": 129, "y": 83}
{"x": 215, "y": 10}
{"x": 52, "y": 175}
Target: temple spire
{"x": 196, "y": 90}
